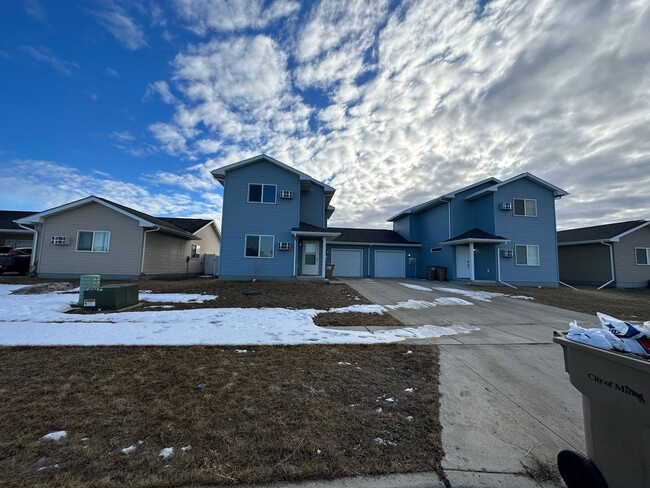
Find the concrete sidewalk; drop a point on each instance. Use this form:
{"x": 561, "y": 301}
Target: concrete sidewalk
{"x": 506, "y": 399}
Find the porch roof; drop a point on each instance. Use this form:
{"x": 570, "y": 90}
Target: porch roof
{"x": 308, "y": 230}
{"x": 476, "y": 236}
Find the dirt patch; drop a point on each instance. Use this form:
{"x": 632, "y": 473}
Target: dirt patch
{"x": 267, "y": 414}
{"x": 41, "y": 288}
{"x": 627, "y": 304}
{"x": 356, "y": 319}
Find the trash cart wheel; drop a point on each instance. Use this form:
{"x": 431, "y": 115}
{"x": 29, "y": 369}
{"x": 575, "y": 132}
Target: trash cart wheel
{"x": 578, "y": 471}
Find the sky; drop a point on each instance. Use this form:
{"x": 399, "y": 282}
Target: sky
{"x": 392, "y": 103}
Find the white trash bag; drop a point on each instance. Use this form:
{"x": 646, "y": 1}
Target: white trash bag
{"x": 614, "y": 334}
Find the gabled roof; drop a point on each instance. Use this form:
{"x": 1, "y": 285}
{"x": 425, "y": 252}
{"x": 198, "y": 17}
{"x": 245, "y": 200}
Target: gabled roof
{"x": 475, "y": 235}
{"x": 7, "y": 218}
{"x": 145, "y": 220}
{"x": 369, "y": 236}
{"x": 189, "y": 225}
{"x": 598, "y": 233}
{"x": 440, "y": 200}
{"x": 557, "y": 192}
{"x": 220, "y": 173}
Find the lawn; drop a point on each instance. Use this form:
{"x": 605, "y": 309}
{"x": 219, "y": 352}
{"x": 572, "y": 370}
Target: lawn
{"x": 257, "y": 415}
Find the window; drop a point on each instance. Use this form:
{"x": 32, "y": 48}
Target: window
{"x": 261, "y": 193}
{"x": 642, "y": 255}
{"x": 196, "y": 251}
{"x": 527, "y": 255}
{"x": 436, "y": 249}
{"x": 93, "y": 241}
{"x": 259, "y": 246}
{"x": 525, "y": 207}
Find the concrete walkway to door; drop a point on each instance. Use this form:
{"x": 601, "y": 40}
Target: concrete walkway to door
{"x": 506, "y": 399}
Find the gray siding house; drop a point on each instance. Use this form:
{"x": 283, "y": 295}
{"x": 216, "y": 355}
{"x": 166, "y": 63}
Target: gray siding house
{"x": 97, "y": 236}
{"x": 614, "y": 255}
{"x": 12, "y": 234}
{"x": 492, "y": 230}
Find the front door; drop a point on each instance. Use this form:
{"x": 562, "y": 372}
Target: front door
{"x": 462, "y": 262}
{"x": 310, "y": 258}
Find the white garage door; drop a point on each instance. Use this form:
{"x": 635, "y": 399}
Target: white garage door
{"x": 390, "y": 264}
{"x": 348, "y": 262}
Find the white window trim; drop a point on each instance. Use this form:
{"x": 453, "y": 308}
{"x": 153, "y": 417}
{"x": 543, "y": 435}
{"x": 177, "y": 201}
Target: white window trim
{"x": 527, "y": 246}
{"x": 108, "y": 247}
{"x": 248, "y": 195}
{"x": 647, "y": 256}
{"x": 524, "y": 200}
{"x": 259, "y": 238}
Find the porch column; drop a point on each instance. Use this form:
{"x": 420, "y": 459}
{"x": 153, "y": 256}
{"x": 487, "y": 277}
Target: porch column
{"x": 471, "y": 261}
{"x": 323, "y": 254}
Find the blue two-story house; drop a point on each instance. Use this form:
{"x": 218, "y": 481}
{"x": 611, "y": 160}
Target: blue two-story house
{"x": 496, "y": 231}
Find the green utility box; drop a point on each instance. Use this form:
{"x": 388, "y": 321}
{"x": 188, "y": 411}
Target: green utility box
{"x": 111, "y": 297}
{"x": 85, "y": 282}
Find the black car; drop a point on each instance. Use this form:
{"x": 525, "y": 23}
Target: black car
{"x": 17, "y": 260}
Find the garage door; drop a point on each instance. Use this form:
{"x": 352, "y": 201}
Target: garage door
{"x": 347, "y": 262}
{"x": 390, "y": 264}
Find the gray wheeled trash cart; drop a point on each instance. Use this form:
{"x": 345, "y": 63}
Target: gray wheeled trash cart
{"x": 615, "y": 391}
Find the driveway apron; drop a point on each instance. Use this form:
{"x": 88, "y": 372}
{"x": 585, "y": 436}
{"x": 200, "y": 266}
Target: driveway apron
{"x": 506, "y": 403}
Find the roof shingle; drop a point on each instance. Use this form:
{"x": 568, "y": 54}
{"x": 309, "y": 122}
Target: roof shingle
{"x": 597, "y": 232}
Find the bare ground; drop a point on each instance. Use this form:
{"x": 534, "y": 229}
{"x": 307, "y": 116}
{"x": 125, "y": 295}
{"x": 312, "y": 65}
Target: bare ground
{"x": 270, "y": 414}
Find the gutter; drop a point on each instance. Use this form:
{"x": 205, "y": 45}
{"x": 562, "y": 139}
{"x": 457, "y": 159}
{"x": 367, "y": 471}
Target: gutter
{"x": 34, "y": 245}
{"x": 144, "y": 246}
{"x": 611, "y": 263}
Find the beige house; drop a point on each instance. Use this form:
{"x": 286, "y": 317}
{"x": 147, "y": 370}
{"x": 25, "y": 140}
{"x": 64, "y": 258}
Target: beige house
{"x": 614, "y": 255}
{"x": 12, "y": 234}
{"x": 96, "y": 236}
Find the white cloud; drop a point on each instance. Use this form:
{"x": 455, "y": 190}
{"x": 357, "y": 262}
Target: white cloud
{"x": 117, "y": 21}
{"x": 557, "y": 88}
{"x": 203, "y": 16}
{"x": 112, "y": 72}
{"x": 34, "y": 9}
{"x": 39, "y": 185}
{"x": 44, "y": 55}
{"x": 162, "y": 89}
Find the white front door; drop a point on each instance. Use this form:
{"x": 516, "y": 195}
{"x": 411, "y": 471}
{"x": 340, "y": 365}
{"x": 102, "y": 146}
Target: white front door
{"x": 310, "y": 258}
{"x": 462, "y": 261}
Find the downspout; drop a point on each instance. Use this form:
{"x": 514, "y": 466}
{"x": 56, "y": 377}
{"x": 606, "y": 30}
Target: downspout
{"x": 295, "y": 263}
{"x": 611, "y": 263}
{"x": 144, "y": 246}
{"x": 324, "y": 258}
{"x": 499, "y": 267}
{"x": 34, "y": 246}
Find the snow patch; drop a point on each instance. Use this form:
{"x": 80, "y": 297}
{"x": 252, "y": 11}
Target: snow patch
{"x": 55, "y": 436}
{"x": 420, "y": 304}
{"x": 378, "y": 309}
{"x": 481, "y": 296}
{"x": 241, "y": 351}
{"x": 132, "y": 447}
{"x": 521, "y": 297}
{"x": 186, "y": 448}
{"x": 147, "y": 296}
{"x": 415, "y": 287}
{"x": 384, "y": 442}
{"x": 409, "y": 390}
{"x": 344, "y": 363}
{"x": 166, "y": 452}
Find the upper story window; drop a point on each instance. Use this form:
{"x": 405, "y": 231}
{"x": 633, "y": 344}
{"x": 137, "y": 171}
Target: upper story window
{"x": 93, "y": 240}
{"x": 525, "y": 207}
{"x": 642, "y": 255}
{"x": 527, "y": 255}
{"x": 258, "y": 193}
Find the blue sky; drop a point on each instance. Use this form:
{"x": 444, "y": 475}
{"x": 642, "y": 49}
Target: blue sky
{"x": 392, "y": 103}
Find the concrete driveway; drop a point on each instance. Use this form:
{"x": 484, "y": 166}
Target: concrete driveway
{"x": 506, "y": 399}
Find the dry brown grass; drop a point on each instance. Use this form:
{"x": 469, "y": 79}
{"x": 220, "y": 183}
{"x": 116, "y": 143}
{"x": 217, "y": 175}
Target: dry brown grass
{"x": 273, "y": 413}
{"x": 626, "y": 304}
{"x": 356, "y": 319}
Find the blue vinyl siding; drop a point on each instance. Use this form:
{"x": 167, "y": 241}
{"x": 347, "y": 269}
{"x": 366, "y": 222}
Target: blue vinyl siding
{"x": 312, "y": 206}
{"x": 485, "y": 265}
{"x": 484, "y": 210}
{"x": 521, "y": 230}
{"x": 434, "y": 228}
{"x": 241, "y": 218}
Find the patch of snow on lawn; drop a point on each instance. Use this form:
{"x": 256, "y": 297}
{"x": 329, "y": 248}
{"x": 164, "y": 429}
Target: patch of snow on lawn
{"x": 55, "y": 436}
{"x": 415, "y": 287}
{"x": 384, "y": 442}
{"x": 481, "y": 296}
{"x": 166, "y": 452}
{"x": 147, "y": 296}
{"x": 39, "y": 320}
{"x": 132, "y": 447}
{"x": 241, "y": 351}
{"x": 521, "y": 297}
{"x": 359, "y": 309}
{"x": 186, "y": 448}
{"x": 409, "y": 390}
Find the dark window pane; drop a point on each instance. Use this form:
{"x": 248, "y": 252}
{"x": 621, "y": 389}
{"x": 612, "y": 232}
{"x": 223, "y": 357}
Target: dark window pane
{"x": 252, "y": 246}
{"x": 254, "y": 193}
{"x": 519, "y": 207}
{"x": 85, "y": 241}
{"x": 520, "y": 251}
{"x": 269, "y": 194}
{"x": 642, "y": 256}
{"x": 310, "y": 259}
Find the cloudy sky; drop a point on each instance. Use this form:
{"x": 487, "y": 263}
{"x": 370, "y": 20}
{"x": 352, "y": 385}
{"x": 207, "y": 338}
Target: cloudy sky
{"x": 392, "y": 103}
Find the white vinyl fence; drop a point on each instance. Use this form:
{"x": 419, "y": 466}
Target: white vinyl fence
{"x": 211, "y": 264}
